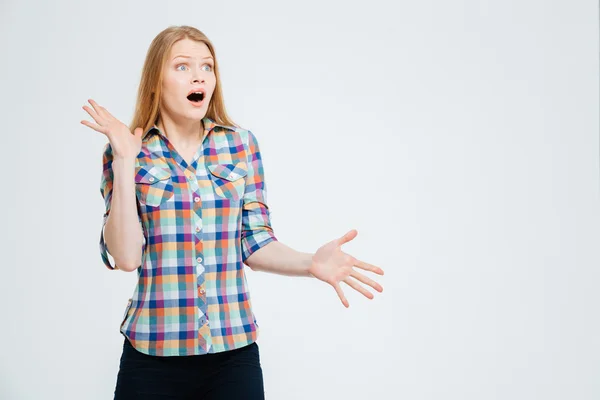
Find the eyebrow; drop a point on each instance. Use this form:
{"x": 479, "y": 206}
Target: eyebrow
{"x": 209, "y": 57}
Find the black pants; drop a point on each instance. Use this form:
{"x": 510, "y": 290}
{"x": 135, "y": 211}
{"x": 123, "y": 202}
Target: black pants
{"x": 229, "y": 375}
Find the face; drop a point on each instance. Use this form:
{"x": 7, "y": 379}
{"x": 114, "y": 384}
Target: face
{"x": 189, "y": 68}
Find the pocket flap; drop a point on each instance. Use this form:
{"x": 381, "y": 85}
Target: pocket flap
{"x": 230, "y": 172}
{"x": 150, "y": 174}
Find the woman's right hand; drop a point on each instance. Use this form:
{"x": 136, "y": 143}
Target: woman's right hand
{"x": 124, "y": 144}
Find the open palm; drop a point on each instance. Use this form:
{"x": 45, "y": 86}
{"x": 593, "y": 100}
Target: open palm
{"x": 331, "y": 265}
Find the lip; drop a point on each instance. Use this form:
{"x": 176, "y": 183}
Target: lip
{"x": 197, "y": 90}
{"x": 200, "y": 104}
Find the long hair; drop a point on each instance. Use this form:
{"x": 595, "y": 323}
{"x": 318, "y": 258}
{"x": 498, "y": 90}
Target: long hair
{"x": 149, "y": 92}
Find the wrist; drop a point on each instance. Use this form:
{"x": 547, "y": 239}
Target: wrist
{"x": 124, "y": 159}
{"x": 309, "y": 265}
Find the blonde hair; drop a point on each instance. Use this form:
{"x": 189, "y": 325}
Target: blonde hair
{"x": 147, "y": 105}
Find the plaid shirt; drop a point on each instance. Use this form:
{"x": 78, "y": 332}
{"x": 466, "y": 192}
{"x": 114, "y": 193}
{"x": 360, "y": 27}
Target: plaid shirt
{"x": 201, "y": 222}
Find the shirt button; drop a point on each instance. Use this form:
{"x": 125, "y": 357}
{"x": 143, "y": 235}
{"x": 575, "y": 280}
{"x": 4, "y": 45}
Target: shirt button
{"x": 202, "y": 291}
{"x": 151, "y": 179}
{"x": 199, "y": 259}
{"x": 196, "y": 199}
{"x": 197, "y": 229}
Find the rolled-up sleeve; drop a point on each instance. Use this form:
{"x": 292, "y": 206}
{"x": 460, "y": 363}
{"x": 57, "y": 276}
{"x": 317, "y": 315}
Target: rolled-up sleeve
{"x": 106, "y": 190}
{"x": 106, "y": 185}
{"x": 256, "y": 221}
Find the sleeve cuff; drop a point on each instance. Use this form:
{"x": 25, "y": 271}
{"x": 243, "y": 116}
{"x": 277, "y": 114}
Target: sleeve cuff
{"x": 108, "y": 260}
{"x": 257, "y": 240}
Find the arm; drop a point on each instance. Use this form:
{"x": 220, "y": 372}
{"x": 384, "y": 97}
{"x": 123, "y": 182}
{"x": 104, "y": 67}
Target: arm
{"x": 261, "y": 249}
{"x": 263, "y": 252}
{"x": 329, "y": 264}
{"x": 277, "y": 258}
{"x": 121, "y": 231}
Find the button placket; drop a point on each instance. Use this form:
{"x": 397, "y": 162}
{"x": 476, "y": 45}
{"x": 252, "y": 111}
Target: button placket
{"x": 196, "y": 190}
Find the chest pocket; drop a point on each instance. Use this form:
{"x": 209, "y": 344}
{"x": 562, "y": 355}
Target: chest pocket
{"x": 153, "y": 185}
{"x": 228, "y": 179}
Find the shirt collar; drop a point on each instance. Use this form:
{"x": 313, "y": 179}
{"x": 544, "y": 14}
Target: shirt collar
{"x": 209, "y": 124}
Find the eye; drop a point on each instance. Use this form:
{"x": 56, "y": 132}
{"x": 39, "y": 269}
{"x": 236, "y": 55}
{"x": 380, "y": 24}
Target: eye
{"x": 210, "y": 67}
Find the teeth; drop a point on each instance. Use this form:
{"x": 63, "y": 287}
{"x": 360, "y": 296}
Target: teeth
{"x": 200, "y": 96}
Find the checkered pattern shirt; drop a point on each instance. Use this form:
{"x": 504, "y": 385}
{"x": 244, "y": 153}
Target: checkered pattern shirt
{"x": 201, "y": 221}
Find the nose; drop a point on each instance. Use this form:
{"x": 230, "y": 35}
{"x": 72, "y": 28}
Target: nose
{"x": 197, "y": 77}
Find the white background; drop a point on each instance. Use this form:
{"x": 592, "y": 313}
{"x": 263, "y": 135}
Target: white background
{"x": 460, "y": 138}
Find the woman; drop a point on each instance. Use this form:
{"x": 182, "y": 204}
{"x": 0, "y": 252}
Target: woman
{"x": 186, "y": 208}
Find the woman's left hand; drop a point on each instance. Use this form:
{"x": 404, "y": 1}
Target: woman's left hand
{"x": 331, "y": 265}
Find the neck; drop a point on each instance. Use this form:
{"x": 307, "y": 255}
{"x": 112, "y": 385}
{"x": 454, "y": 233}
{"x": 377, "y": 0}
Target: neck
{"x": 181, "y": 134}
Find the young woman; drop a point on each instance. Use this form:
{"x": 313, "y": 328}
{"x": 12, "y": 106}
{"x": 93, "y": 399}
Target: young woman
{"x": 185, "y": 195}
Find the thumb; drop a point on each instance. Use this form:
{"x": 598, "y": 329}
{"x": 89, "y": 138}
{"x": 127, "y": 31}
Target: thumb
{"x": 138, "y": 131}
{"x": 347, "y": 237}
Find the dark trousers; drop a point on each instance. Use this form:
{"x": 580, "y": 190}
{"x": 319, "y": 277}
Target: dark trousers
{"x": 229, "y": 375}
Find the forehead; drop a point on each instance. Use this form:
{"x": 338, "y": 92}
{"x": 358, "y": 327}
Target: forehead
{"x": 190, "y": 48}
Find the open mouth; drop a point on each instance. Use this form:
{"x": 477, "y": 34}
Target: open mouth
{"x": 196, "y": 97}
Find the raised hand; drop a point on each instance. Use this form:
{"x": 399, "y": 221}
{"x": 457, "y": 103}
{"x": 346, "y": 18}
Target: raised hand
{"x": 331, "y": 265}
{"x": 124, "y": 143}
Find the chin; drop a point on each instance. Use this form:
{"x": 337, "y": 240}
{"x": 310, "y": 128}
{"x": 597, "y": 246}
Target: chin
{"x": 198, "y": 114}
{"x": 196, "y": 117}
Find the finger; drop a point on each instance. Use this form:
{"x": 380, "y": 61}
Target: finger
{"x": 368, "y": 267}
{"x": 347, "y": 237}
{"x": 340, "y": 294}
{"x": 366, "y": 280}
{"x": 353, "y": 284}
{"x": 95, "y": 127}
{"x": 96, "y": 106}
{"x": 103, "y": 112}
{"x": 93, "y": 114}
